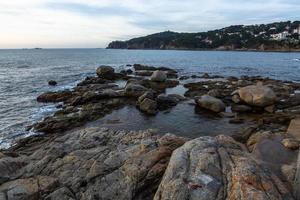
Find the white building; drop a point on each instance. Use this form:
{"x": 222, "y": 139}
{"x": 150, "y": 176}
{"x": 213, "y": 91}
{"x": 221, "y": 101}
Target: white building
{"x": 297, "y": 30}
{"x": 280, "y": 36}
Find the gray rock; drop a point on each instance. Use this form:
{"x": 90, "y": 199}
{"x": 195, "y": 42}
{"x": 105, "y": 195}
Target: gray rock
{"x": 92, "y": 163}
{"x": 148, "y": 106}
{"x": 105, "y": 72}
{"x": 159, "y": 76}
{"x": 215, "y": 169}
{"x": 211, "y": 103}
{"x": 134, "y": 90}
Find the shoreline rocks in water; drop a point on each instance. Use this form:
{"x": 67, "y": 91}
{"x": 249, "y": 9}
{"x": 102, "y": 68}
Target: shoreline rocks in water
{"x": 99, "y": 163}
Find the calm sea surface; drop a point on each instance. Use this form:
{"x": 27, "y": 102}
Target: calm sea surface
{"x": 24, "y": 74}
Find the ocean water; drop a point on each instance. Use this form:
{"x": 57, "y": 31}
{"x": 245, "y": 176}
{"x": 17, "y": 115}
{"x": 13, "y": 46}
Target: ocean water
{"x": 24, "y": 74}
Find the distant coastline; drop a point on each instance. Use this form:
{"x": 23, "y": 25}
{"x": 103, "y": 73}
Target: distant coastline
{"x": 274, "y": 37}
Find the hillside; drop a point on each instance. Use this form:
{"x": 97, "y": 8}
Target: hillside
{"x": 278, "y": 36}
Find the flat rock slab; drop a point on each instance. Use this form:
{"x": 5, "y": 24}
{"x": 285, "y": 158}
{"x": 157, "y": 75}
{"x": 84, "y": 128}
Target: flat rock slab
{"x": 294, "y": 129}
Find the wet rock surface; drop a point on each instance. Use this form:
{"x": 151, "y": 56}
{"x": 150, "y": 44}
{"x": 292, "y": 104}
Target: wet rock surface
{"x": 68, "y": 161}
{"x": 90, "y": 164}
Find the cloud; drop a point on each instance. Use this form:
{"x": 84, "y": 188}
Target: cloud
{"x": 94, "y": 23}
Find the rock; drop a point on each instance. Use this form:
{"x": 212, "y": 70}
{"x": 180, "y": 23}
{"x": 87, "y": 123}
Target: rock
{"x": 236, "y": 98}
{"x": 148, "y": 106}
{"x": 289, "y": 171}
{"x": 236, "y": 121}
{"x": 159, "y": 86}
{"x": 30, "y": 188}
{"x": 94, "y": 163}
{"x": 205, "y": 75}
{"x": 211, "y": 103}
{"x": 270, "y": 109}
{"x": 54, "y": 96}
{"x": 52, "y": 83}
{"x": 218, "y": 168}
{"x": 143, "y": 73}
{"x": 290, "y": 143}
{"x": 158, "y": 76}
{"x": 138, "y": 67}
{"x": 296, "y": 185}
{"x": 166, "y": 101}
{"x": 134, "y": 90}
{"x": 256, "y": 95}
{"x": 105, "y": 72}
{"x": 149, "y": 95}
{"x": 240, "y": 108}
{"x": 61, "y": 194}
{"x": 294, "y": 129}
{"x": 215, "y": 93}
{"x": 256, "y": 138}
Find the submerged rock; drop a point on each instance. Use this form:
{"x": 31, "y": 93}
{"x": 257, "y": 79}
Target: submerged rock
{"x": 257, "y": 95}
{"x": 211, "y": 103}
{"x": 218, "y": 168}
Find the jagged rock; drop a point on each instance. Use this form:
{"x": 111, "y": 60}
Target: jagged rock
{"x": 94, "y": 163}
{"x": 54, "y": 96}
{"x": 148, "y": 106}
{"x": 106, "y": 72}
{"x": 134, "y": 90}
{"x": 257, "y": 95}
{"x": 144, "y": 73}
{"x": 236, "y": 99}
{"x": 158, "y": 76}
{"x": 215, "y": 93}
{"x": 218, "y": 168}
{"x": 210, "y": 103}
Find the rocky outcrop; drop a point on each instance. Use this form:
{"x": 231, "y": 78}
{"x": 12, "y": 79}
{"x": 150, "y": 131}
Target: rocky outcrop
{"x": 218, "y": 168}
{"x": 105, "y": 72}
{"x": 257, "y": 95}
{"x": 210, "y": 103}
{"x": 90, "y": 164}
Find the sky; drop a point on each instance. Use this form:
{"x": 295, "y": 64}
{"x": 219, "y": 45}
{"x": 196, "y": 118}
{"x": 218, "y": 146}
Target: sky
{"x": 94, "y": 23}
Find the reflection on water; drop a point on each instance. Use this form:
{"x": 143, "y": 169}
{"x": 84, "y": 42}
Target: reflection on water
{"x": 185, "y": 119}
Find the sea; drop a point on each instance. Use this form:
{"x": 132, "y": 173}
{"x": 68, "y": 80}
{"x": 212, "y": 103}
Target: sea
{"x": 24, "y": 74}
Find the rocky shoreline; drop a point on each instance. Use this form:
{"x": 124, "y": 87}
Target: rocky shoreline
{"x": 70, "y": 161}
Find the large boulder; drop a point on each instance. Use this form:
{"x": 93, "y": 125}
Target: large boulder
{"x": 257, "y": 95}
{"x": 211, "y": 103}
{"x": 215, "y": 169}
{"x": 167, "y": 101}
{"x": 134, "y": 90}
{"x": 105, "y": 72}
{"x": 159, "y": 76}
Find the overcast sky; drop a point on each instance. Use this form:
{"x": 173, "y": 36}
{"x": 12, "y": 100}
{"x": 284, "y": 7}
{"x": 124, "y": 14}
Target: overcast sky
{"x": 94, "y": 23}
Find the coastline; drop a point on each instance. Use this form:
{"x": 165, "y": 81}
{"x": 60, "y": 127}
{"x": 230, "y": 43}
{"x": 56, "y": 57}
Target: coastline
{"x": 71, "y": 160}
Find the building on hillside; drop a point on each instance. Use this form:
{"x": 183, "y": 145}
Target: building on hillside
{"x": 297, "y": 30}
{"x": 280, "y": 36}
